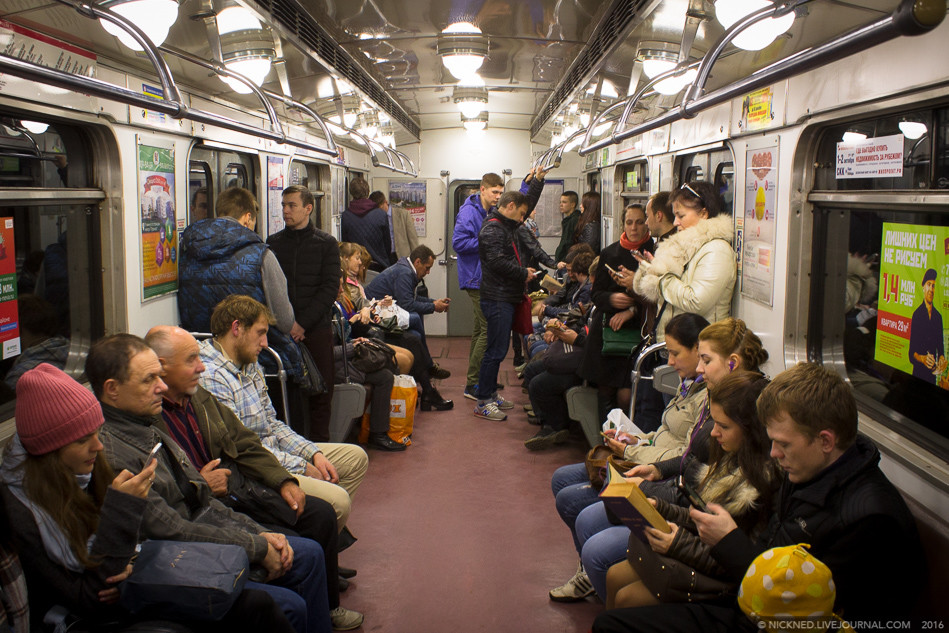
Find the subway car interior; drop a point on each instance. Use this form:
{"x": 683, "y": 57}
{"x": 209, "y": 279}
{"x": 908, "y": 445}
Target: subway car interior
{"x": 823, "y": 126}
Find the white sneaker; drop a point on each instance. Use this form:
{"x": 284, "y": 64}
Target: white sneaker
{"x": 345, "y": 619}
{"x": 489, "y": 411}
{"x": 575, "y": 589}
{"x": 501, "y": 403}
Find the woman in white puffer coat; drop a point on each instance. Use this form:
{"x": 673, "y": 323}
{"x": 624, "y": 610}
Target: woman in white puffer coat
{"x": 694, "y": 270}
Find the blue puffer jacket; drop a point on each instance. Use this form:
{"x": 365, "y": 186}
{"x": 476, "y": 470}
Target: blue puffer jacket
{"x": 219, "y": 257}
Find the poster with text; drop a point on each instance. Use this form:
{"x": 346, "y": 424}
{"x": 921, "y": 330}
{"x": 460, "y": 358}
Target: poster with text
{"x": 758, "y": 230}
{"x": 548, "y": 215}
{"x": 412, "y": 196}
{"x": 156, "y": 201}
{"x": 913, "y": 301}
{"x": 275, "y": 187}
{"x": 9, "y": 316}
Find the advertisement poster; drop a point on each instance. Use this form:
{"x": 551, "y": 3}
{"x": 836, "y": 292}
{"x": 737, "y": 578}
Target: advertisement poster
{"x": 410, "y": 195}
{"x": 9, "y": 317}
{"x": 548, "y": 209}
{"x": 275, "y": 187}
{"x": 871, "y": 158}
{"x": 156, "y": 201}
{"x": 758, "y": 230}
{"x": 756, "y": 110}
{"x": 914, "y": 301}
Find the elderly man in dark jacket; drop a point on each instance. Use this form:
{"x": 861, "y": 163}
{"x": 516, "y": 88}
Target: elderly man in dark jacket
{"x": 503, "y": 281}
{"x": 834, "y": 497}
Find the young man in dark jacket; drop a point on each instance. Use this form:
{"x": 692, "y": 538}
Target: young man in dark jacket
{"x": 309, "y": 258}
{"x": 569, "y": 201}
{"x": 366, "y": 224}
{"x": 503, "y": 281}
{"x": 834, "y": 497}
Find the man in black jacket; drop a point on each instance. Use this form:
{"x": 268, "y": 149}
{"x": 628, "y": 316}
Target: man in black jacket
{"x": 503, "y": 281}
{"x": 834, "y": 497}
{"x": 309, "y": 258}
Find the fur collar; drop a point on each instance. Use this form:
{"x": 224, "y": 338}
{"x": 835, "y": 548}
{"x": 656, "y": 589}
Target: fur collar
{"x": 674, "y": 253}
{"x": 728, "y": 489}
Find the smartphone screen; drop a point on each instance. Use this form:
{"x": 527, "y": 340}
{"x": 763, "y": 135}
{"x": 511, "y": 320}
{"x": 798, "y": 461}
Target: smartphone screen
{"x": 152, "y": 455}
{"x": 692, "y": 496}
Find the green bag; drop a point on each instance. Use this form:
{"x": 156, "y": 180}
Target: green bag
{"x": 620, "y": 343}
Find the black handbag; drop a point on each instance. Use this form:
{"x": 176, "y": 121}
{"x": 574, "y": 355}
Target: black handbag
{"x": 192, "y": 581}
{"x": 371, "y": 355}
{"x": 562, "y": 359}
{"x": 312, "y": 384}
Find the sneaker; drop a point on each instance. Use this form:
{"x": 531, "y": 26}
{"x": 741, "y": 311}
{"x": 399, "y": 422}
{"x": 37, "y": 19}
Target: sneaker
{"x": 438, "y": 373}
{"x": 575, "y": 589}
{"x": 471, "y": 392}
{"x": 503, "y": 404}
{"x": 489, "y": 411}
{"x": 546, "y": 438}
{"x": 345, "y": 619}
{"x": 533, "y": 419}
{"x": 519, "y": 369}
{"x": 529, "y": 408}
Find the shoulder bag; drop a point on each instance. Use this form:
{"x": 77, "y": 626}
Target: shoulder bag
{"x": 371, "y": 355}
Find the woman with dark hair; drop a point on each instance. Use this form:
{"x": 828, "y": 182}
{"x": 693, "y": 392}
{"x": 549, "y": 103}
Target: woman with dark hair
{"x": 588, "y": 226}
{"x": 740, "y": 477}
{"x": 694, "y": 270}
{"x": 75, "y": 522}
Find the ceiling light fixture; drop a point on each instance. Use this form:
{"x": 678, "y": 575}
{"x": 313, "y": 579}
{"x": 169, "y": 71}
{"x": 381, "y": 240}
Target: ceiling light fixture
{"x": 247, "y": 47}
{"x": 658, "y": 60}
{"x": 471, "y": 97}
{"x": 153, "y": 17}
{"x": 676, "y": 83}
{"x": 475, "y": 124}
{"x": 910, "y": 129}
{"x": 39, "y": 128}
{"x": 760, "y": 34}
{"x": 462, "y": 48}
{"x": 853, "y": 136}
{"x": 368, "y": 124}
{"x": 607, "y": 90}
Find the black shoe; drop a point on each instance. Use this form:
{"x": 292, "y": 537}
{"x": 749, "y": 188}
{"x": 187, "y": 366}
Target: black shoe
{"x": 433, "y": 400}
{"x": 519, "y": 360}
{"x": 343, "y": 584}
{"x": 533, "y": 419}
{"x": 499, "y": 386}
{"x": 546, "y": 437}
{"x": 346, "y": 539}
{"x": 347, "y": 572}
{"x": 383, "y": 442}
{"x": 438, "y": 373}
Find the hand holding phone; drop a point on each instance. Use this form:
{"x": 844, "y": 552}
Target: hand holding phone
{"x": 692, "y": 496}
{"x": 152, "y": 455}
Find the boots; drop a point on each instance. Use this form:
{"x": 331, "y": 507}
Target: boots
{"x": 431, "y": 399}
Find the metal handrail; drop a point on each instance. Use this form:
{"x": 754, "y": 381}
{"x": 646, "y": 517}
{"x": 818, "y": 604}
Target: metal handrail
{"x": 636, "y": 375}
{"x": 333, "y": 150}
{"x": 904, "y": 20}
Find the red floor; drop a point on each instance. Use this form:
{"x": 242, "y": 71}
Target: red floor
{"x": 459, "y": 533}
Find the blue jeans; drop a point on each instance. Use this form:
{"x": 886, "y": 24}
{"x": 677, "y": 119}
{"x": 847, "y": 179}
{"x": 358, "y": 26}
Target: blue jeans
{"x": 301, "y": 592}
{"x": 572, "y": 492}
{"x": 499, "y": 316}
{"x": 602, "y": 544}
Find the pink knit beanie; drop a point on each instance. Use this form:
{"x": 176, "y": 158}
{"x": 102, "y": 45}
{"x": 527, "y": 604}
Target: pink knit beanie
{"x": 53, "y": 410}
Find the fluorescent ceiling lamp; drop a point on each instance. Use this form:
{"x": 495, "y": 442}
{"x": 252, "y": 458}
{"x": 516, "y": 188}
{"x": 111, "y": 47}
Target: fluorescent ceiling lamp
{"x": 675, "y": 84}
{"x": 910, "y": 129}
{"x": 38, "y": 128}
{"x": 462, "y": 49}
{"x": 246, "y": 46}
{"x": 470, "y": 97}
{"x": 853, "y": 137}
{"x": 153, "y": 17}
{"x": 655, "y": 67}
{"x": 603, "y": 128}
{"x": 607, "y": 90}
{"x": 254, "y": 69}
{"x": 759, "y": 35}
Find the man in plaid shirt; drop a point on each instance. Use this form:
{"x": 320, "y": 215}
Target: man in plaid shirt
{"x": 329, "y": 471}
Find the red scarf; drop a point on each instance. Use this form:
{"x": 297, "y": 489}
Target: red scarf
{"x": 632, "y": 246}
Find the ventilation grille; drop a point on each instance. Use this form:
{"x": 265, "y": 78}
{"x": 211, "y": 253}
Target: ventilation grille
{"x": 295, "y": 20}
{"x": 610, "y": 32}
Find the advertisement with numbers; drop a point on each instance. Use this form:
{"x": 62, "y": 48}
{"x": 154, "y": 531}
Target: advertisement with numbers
{"x": 914, "y": 301}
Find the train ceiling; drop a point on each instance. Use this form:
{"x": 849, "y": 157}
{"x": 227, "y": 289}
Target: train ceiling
{"x": 546, "y": 59}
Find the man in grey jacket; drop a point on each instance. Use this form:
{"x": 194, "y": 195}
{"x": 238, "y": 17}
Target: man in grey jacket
{"x": 126, "y": 378}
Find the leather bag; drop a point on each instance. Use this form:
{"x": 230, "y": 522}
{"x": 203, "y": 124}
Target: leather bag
{"x": 597, "y": 461}
{"x": 621, "y": 342}
{"x": 371, "y": 355}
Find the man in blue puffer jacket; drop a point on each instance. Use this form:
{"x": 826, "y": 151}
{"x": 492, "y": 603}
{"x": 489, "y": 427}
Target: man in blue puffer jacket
{"x": 224, "y": 256}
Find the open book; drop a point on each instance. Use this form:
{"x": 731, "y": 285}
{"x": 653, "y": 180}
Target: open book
{"x": 630, "y": 505}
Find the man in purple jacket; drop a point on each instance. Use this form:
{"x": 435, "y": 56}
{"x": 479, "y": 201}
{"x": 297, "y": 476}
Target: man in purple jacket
{"x": 465, "y": 242}
{"x": 366, "y": 224}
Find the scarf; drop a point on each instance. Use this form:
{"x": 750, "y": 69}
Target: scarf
{"x": 54, "y": 540}
{"x": 630, "y": 245}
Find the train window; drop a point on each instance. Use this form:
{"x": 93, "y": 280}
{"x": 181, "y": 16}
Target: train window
{"x": 725, "y": 181}
{"x": 717, "y": 164}
{"x": 308, "y": 175}
{"x": 593, "y": 181}
{"x": 635, "y": 179}
{"x": 235, "y": 175}
{"x": 215, "y": 170}
{"x": 39, "y": 157}
{"x": 200, "y": 199}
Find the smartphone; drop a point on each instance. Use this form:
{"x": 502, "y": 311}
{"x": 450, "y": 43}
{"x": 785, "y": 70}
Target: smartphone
{"x": 692, "y": 496}
{"x": 152, "y": 455}
{"x": 540, "y": 273}
{"x": 613, "y": 270}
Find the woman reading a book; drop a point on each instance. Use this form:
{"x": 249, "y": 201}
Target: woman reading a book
{"x": 740, "y": 475}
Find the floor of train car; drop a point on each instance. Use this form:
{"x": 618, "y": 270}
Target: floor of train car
{"x": 459, "y": 533}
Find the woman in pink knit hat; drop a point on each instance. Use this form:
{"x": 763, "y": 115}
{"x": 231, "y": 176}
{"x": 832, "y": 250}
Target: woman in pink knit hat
{"x": 75, "y": 522}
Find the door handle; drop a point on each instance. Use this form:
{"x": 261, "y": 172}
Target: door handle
{"x": 446, "y": 262}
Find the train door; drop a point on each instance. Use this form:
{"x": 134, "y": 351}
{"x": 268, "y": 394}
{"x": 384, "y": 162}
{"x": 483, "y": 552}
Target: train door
{"x": 51, "y": 283}
{"x": 460, "y": 317}
{"x": 716, "y": 167}
{"x": 313, "y": 177}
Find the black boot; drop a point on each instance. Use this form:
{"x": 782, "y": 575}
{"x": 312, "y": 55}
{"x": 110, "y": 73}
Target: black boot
{"x": 383, "y": 442}
{"x": 433, "y": 400}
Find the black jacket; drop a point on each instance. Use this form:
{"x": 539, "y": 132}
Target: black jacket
{"x": 310, "y": 260}
{"x": 503, "y": 267}
{"x": 857, "y": 524}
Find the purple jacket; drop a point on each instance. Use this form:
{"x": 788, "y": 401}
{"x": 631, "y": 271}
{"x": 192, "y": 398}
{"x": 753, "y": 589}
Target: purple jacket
{"x": 465, "y": 241}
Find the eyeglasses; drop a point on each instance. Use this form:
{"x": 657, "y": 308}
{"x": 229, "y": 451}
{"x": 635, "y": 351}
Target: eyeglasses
{"x": 694, "y": 193}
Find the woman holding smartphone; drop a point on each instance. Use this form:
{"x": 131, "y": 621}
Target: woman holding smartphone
{"x": 740, "y": 477}
{"x": 75, "y": 522}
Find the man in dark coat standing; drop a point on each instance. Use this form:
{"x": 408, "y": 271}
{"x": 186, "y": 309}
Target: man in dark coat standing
{"x": 309, "y": 258}
{"x": 366, "y": 224}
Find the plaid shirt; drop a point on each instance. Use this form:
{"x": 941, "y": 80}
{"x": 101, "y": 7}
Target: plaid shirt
{"x": 244, "y": 391}
{"x": 14, "y": 610}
